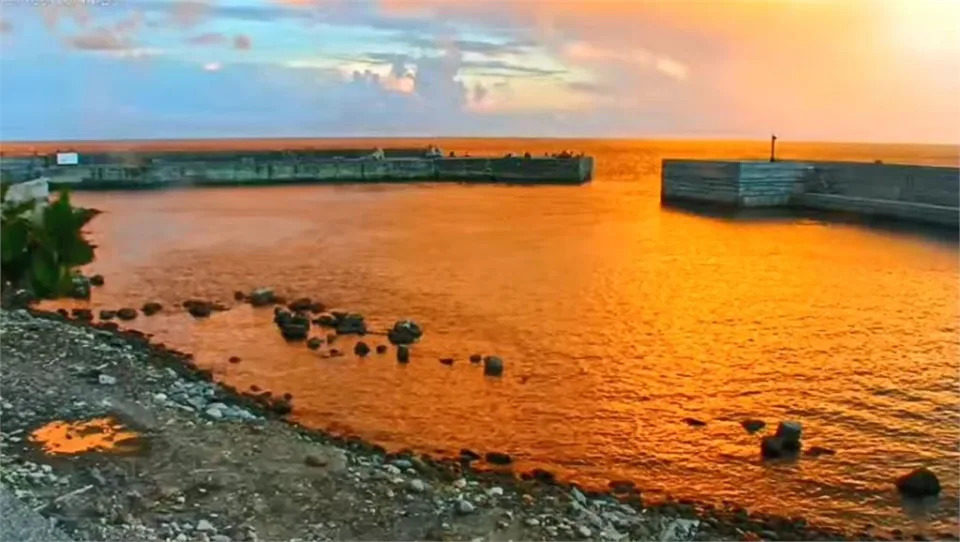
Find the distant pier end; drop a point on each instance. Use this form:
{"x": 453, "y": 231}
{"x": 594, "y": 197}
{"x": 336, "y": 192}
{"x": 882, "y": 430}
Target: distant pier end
{"x": 924, "y": 194}
{"x": 145, "y": 170}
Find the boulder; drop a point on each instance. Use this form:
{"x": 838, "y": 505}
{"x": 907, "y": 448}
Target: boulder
{"x": 262, "y": 297}
{"x": 151, "y": 308}
{"x": 82, "y": 314}
{"x": 621, "y": 486}
{"x": 317, "y": 307}
{"x": 198, "y": 308}
{"x": 497, "y": 458}
{"x": 295, "y": 330}
{"x": 80, "y": 287}
{"x": 127, "y": 313}
{"x": 468, "y": 455}
{"x": 446, "y": 361}
{"x": 774, "y": 447}
{"x": 403, "y": 354}
{"x": 301, "y": 304}
{"x": 314, "y": 343}
{"x": 326, "y": 320}
{"x": 239, "y": 296}
{"x": 96, "y": 280}
{"x": 752, "y": 426}
{"x": 351, "y": 324}
{"x": 789, "y": 432}
{"x": 404, "y": 332}
{"x": 361, "y": 349}
{"x": 381, "y": 348}
{"x": 919, "y": 483}
{"x": 107, "y": 314}
{"x": 476, "y": 358}
{"x": 492, "y": 366}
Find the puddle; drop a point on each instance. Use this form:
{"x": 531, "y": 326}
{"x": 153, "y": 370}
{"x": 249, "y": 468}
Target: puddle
{"x": 96, "y": 435}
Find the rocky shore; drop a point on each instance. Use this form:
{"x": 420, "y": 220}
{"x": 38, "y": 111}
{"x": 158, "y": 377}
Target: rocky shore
{"x": 206, "y": 463}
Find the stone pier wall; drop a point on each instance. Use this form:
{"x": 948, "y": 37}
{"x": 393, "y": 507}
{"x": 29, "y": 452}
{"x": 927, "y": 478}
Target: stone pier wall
{"x": 913, "y": 193}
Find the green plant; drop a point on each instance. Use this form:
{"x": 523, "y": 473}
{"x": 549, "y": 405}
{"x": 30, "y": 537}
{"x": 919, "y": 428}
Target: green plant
{"x": 41, "y": 252}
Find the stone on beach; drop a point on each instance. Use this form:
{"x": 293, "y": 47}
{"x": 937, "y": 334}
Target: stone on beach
{"x": 127, "y": 313}
{"x": 404, "y": 332}
{"x": 151, "y": 308}
{"x": 262, "y": 297}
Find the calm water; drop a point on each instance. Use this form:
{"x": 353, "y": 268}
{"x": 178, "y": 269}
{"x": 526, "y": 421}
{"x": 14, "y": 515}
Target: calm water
{"x": 616, "y": 318}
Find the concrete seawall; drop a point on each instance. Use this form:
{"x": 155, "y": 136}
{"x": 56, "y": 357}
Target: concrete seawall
{"x": 172, "y": 169}
{"x": 923, "y": 194}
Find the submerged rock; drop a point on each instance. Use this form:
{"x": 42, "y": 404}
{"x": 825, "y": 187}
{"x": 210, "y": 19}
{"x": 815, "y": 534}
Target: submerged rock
{"x": 774, "y": 447}
{"x": 351, "y": 324}
{"x": 234, "y": 359}
{"x": 403, "y": 354}
{"x": 326, "y": 320}
{"x": 314, "y": 343}
{"x": 293, "y": 327}
{"x": 301, "y": 304}
{"x": 492, "y": 366}
{"x": 817, "y": 451}
{"x": 919, "y": 483}
{"x": 80, "y": 287}
{"x": 381, "y": 348}
{"x": 239, "y": 296}
{"x": 693, "y": 422}
{"x": 107, "y": 314}
{"x": 498, "y": 458}
{"x": 752, "y": 425}
{"x": 151, "y": 308}
{"x": 446, "y": 361}
{"x": 96, "y": 280}
{"x": 789, "y": 432}
{"x": 476, "y": 358}
{"x": 262, "y": 297}
{"x": 198, "y": 308}
{"x": 127, "y": 313}
{"x": 361, "y": 349}
{"x": 82, "y": 314}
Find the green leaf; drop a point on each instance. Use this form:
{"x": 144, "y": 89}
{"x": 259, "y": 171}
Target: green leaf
{"x": 13, "y": 240}
{"x": 44, "y": 274}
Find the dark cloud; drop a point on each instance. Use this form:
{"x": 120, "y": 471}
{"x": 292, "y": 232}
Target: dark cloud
{"x": 469, "y": 46}
{"x": 242, "y": 42}
{"x": 101, "y": 39}
{"x": 479, "y": 92}
{"x": 209, "y": 38}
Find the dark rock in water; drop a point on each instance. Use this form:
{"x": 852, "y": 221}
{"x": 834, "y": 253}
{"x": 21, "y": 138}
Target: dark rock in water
{"x": 314, "y": 343}
{"x": 622, "y": 486}
{"x": 317, "y": 307}
{"x": 326, "y": 320}
{"x": 127, "y": 313}
{"x": 234, "y": 359}
{"x": 151, "y": 308}
{"x": 403, "y": 354}
{"x": 497, "y": 458}
{"x": 404, "y": 332}
{"x": 351, "y": 324}
{"x": 80, "y": 287}
{"x": 919, "y": 483}
{"x": 198, "y": 308}
{"x": 492, "y": 366}
{"x": 287, "y": 396}
{"x": 281, "y": 407}
{"x": 789, "y": 432}
{"x": 109, "y": 326}
{"x": 381, "y": 348}
{"x": 446, "y": 361}
{"x": 293, "y": 331}
{"x": 262, "y": 297}
{"x": 334, "y": 353}
{"x": 331, "y": 337}
{"x": 476, "y": 358}
{"x": 82, "y": 314}
{"x": 361, "y": 349}
{"x": 301, "y": 304}
{"x": 469, "y": 455}
{"x": 752, "y": 426}
{"x": 239, "y": 296}
{"x": 817, "y": 451}
{"x": 63, "y": 312}
{"x": 774, "y": 447}
{"x": 107, "y": 314}
{"x": 96, "y": 280}
{"x": 693, "y": 422}
{"x": 254, "y": 388}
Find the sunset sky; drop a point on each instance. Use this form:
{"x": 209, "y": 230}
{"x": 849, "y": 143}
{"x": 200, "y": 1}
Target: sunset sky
{"x": 835, "y": 70}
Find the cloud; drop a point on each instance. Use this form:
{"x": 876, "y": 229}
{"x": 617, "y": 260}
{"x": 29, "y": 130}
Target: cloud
{"x": 212, "y": 66}
{"x": 102, "y": 39}
{"x": 187, "y": 14}
{"x": 511, "y": 47}
{"x": 208, "y": 38}
{"x": 242, "y": 42}
{"x": 584, "y": 52}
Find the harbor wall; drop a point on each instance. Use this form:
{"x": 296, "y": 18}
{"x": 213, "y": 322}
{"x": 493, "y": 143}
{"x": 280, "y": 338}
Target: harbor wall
{"x": 904, "y": 192}
{"x": 241, "y": 169}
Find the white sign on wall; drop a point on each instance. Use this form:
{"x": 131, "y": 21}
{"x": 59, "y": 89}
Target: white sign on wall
{"x": 67, "y": 159}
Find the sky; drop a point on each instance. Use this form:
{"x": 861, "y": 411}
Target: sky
{"x": 812, "y": 70}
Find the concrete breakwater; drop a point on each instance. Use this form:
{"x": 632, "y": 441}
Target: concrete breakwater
{"x": 135, "y": 170}
{"x": 924, "y": 194}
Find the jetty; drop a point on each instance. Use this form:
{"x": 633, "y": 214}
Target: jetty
{"x": 911, "y": 193}
{"x": 126, "y": 170}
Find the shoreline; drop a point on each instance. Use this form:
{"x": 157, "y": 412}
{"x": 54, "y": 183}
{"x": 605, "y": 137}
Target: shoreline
{"x": 559, "y": 499}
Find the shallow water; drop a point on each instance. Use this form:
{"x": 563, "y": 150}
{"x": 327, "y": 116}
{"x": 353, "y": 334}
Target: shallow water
{"x": 617, "y": 319}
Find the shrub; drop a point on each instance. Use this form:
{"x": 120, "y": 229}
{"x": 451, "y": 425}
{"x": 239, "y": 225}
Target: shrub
{"x": 41, "y": 252}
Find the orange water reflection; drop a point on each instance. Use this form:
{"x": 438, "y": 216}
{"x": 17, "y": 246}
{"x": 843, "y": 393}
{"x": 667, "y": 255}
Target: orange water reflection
{"x": 96, "y": 435}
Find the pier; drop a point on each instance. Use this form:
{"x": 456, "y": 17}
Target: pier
{"x": 168, "y": 169}
{"x": 922, "y": 194}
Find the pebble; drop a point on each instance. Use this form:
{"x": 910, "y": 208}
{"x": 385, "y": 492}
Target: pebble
{"x": 214, "y": 413}
{"x": 219, "y": 538}
{"x": 465, "y": 507}
{"x": 107, "y": 380}
{"x": 460, "y": 483}
{"x": 205, "y": 526}
{"x": 584, "y": 531}
{"x": 496, "y": 491}
{"x": 418, "y": 486}
{"x": 181, "y": 538}
{"x": 532, "y": 522}
{"x": 403, "y": 464}
{"x": 391, "y": 469}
